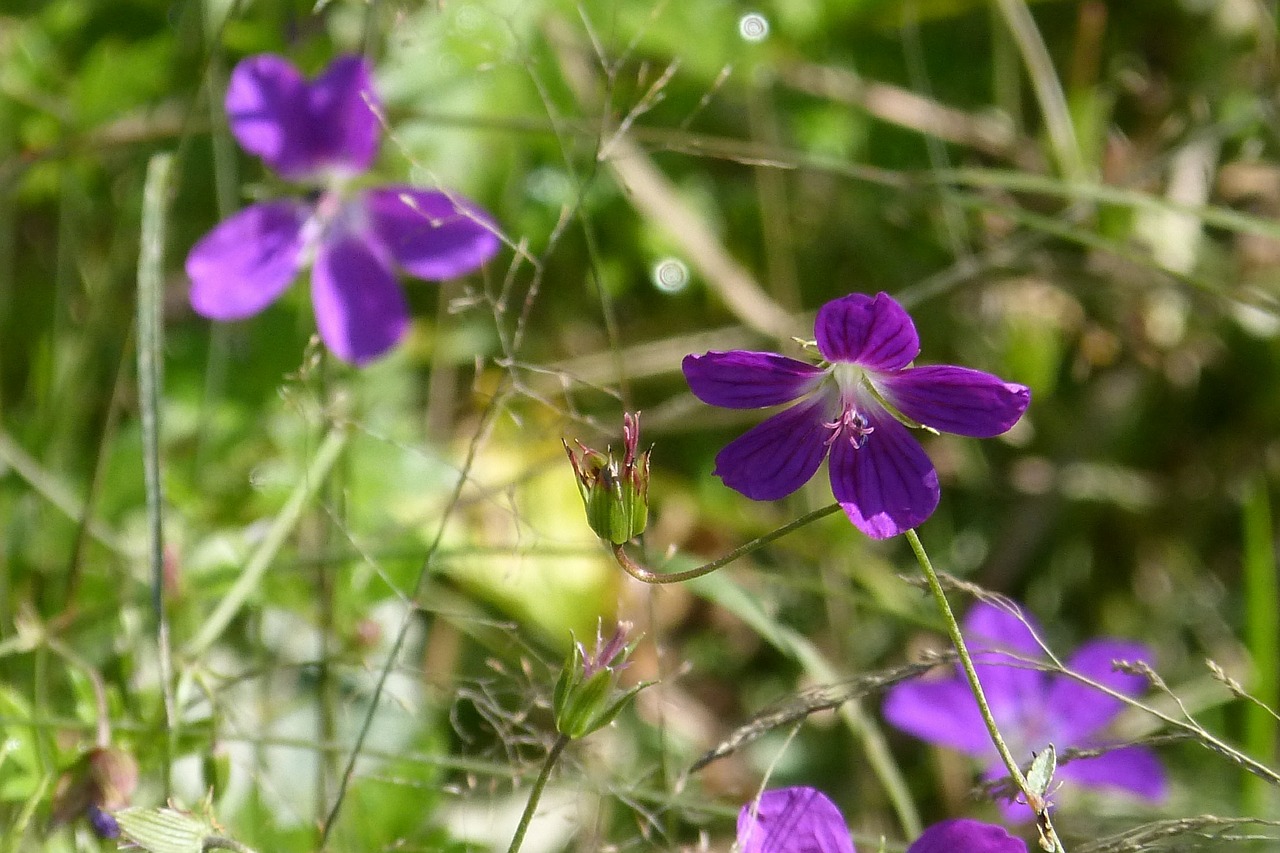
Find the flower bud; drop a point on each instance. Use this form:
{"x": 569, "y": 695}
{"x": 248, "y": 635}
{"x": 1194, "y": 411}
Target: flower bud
{"x": 616, "y": 495}
{"x": 100, "y": 783}
{"x": 587, "y": 696}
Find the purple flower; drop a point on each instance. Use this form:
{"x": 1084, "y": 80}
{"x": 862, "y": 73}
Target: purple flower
{"x": 1032, "y": 708}
{"x": 962, "y": 835}
{"x": 803, "y": 820}
{"x": 104, "y": 825}
{"x": 880, "y": 475}
{"x": 323, "y": 133}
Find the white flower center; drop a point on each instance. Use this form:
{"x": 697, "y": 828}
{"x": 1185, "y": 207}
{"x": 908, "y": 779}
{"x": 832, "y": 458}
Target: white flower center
{"x": 851, "y": 423}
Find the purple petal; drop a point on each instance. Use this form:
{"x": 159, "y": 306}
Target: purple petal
{"x": 298, "y": 127}
{"x": 1013, "y": 811}
{"x": 956, "y": 399}
{"x": 431, "y": 234}
{"x": 1131, "y": 768}
{"x": 1016, "y": 693}
{"x": 886, "y": 486}
{"x": 793, "y": 820}
{"x": 993, "y": 626}
{"x": 247, "y": 261}
{"x": 104, "y": 825}
{"x": 942, "y": 712}
{"x": 778, "y": 455}
{"x": 874, "y": 332}
{"x": 266, "y": 104}
{"x": 1079, "y": 710}
{"x": 343, "y": 115}
{"x": 360, "y": 310}
{"x": 749, "y": 380}
{"x": 966, "y": 836}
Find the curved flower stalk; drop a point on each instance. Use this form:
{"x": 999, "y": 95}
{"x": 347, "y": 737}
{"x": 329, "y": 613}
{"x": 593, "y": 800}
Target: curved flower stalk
{"x": 1033, "y": 709}
{"x": 323, "y": 133}
{"x": 856, "y": 407}
{"x": 804, "y": 820}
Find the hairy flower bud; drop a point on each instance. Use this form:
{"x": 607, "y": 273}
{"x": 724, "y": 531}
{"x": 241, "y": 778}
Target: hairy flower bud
{"x": 586, "y": 696}
{"x": 100, "y": 783}
{"x": 615, "y": 493}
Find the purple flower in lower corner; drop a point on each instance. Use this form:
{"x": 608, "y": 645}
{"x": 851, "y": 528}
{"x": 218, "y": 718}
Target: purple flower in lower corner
{"x": 804, "y": 820}
{"x": 1032, "y": 708}
{"x": 855, "y": 406}
{"x": 322, "y": 133}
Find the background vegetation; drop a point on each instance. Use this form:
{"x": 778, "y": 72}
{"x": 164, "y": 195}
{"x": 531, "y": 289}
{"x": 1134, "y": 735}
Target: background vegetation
{"x": 1078, "y": 196}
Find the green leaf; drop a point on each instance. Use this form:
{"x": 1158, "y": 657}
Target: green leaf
{"x": 1042, "y": 768}
{"x": 164, "y": 830}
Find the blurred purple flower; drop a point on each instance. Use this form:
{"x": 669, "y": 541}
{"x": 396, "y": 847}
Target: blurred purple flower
{"x": 803, "y": 820}
{"x": 1032, "y": 708}
{"x": 961, "y": 835}
{"x": 323, "y": 133}
{"x": 104, "y": 825}
{"x": 880, "y": 475}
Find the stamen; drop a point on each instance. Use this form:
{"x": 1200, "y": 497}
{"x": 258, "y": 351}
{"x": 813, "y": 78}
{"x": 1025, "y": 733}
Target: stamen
{"x": 852, "y": 424}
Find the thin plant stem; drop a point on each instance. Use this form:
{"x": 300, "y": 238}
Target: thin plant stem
{"x": 402, "y": 633}
{"x": 535, "y": 795}
{"x": 150, "y": 343}
{"x": 1262, "y": 632}
{"x": 640, "y": 573}
{"x": 1033, "y": 798}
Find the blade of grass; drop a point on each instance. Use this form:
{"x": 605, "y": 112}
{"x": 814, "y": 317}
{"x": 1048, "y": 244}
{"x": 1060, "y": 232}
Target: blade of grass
{"x": 1046, "y": 86}
{"x": 61, "y": 496}
{"x": 1218, "y": 217}
{"x": 283, "y": 525}
{"x": 150, "y": 321}
{"x": 1262, "y": 636}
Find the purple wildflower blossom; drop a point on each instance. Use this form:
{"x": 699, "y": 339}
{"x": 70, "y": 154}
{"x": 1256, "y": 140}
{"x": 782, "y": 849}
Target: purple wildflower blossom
{"x": 880, "y": 475}
{"x": 803, "y": 820}
{"x": 1032, "y": 708}
{"x": 324, "y": 133}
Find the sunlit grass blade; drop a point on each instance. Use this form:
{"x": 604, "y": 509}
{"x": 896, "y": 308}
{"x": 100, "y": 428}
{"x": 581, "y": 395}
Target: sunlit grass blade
{"x": 150, "y": 337}
{"x": 1262, "y": 636}
{"x": 283, "y": 524}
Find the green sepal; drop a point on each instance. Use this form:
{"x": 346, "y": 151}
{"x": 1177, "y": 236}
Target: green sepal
{"x": 584, "y": 704}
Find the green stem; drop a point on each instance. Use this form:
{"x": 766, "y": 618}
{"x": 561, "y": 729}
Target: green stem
{"x": 536, "y": 794}
{"x": 640, "y": 573}
{"x": 150, "y": 344}
{"x": 1033, "y": 798}
{"x": 1262, "y": 637}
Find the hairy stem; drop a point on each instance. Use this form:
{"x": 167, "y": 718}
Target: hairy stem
{"x": 640, "y": 573}
{"x": 1033, "y": 798}
{"x": 536, "y": 794}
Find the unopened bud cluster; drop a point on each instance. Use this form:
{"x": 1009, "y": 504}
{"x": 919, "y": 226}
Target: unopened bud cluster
{"x": 587, "y": 697}
{"x": 615, "y": 493}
